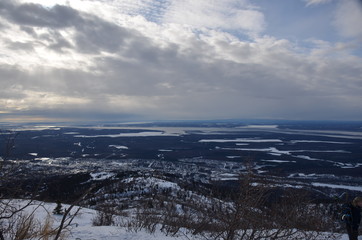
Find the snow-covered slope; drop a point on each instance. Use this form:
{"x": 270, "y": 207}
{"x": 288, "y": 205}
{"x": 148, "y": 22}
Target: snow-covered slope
{"x": 83, "y": 229}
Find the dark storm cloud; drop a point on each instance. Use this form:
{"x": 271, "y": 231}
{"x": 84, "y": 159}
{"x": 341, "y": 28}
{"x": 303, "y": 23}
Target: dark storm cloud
{"x": 30, "y": 14}
{"x": 92, "y": 33}
{"x": 95, "y": 35}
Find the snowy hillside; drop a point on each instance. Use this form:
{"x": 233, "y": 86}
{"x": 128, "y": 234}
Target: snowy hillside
{"x": 83, "y": 229}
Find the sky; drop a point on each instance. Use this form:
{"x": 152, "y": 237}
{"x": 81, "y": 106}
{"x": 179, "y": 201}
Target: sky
{"x": 121, "y": 60}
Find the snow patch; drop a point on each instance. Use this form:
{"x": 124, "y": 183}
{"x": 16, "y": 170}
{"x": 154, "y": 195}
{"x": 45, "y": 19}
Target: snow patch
{"x": 118, "y": 146}
{"x": 151, "y": 181}
{"x": 271, "y": 150}
{"x": 314, "y": 141}
{"x": 260, "y": 126}
{"x": 279, "y": 161}
{"x": 43, "y": 159}
{"x": 248, "y": 140}
{"x": 353, "y": 188}
{"x": 101, "y": 176}
{"x": 308, "y": 158}
{"x": 137, "y": 134}
{"x": 312, "y": 175}
{"x": 165, "y": 150}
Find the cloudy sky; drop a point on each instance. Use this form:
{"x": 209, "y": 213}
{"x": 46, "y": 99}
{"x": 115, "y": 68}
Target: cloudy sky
{"x": 121, "y": 60}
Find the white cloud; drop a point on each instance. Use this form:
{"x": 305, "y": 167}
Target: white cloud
{"x": 348, "y": 18}
{"x": 229, "y": 14}
{"x": 316, "y": 2}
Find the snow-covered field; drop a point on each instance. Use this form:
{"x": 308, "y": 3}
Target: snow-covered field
{"x": 83, "y": 229}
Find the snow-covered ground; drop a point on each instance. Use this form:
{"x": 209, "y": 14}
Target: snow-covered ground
{"x": 83, "y": 229}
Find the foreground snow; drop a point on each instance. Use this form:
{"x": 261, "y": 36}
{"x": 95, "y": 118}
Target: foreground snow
{"x": 83, "y": 229}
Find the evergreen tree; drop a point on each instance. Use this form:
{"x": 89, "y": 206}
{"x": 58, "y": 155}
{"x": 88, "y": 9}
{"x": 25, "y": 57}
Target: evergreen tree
{"x": 58, "y": 210}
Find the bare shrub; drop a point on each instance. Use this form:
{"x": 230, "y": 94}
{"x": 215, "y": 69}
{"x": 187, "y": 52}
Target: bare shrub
{"x": 103, "y": 219}
{"x": 251, "y": 216}
{"x": 25, "y": 227}
{"x": 17, "y": 220}
{"x": 23, "y": 224}
{"x": 46, "y": 230}
{"x": 252, "y": 212}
